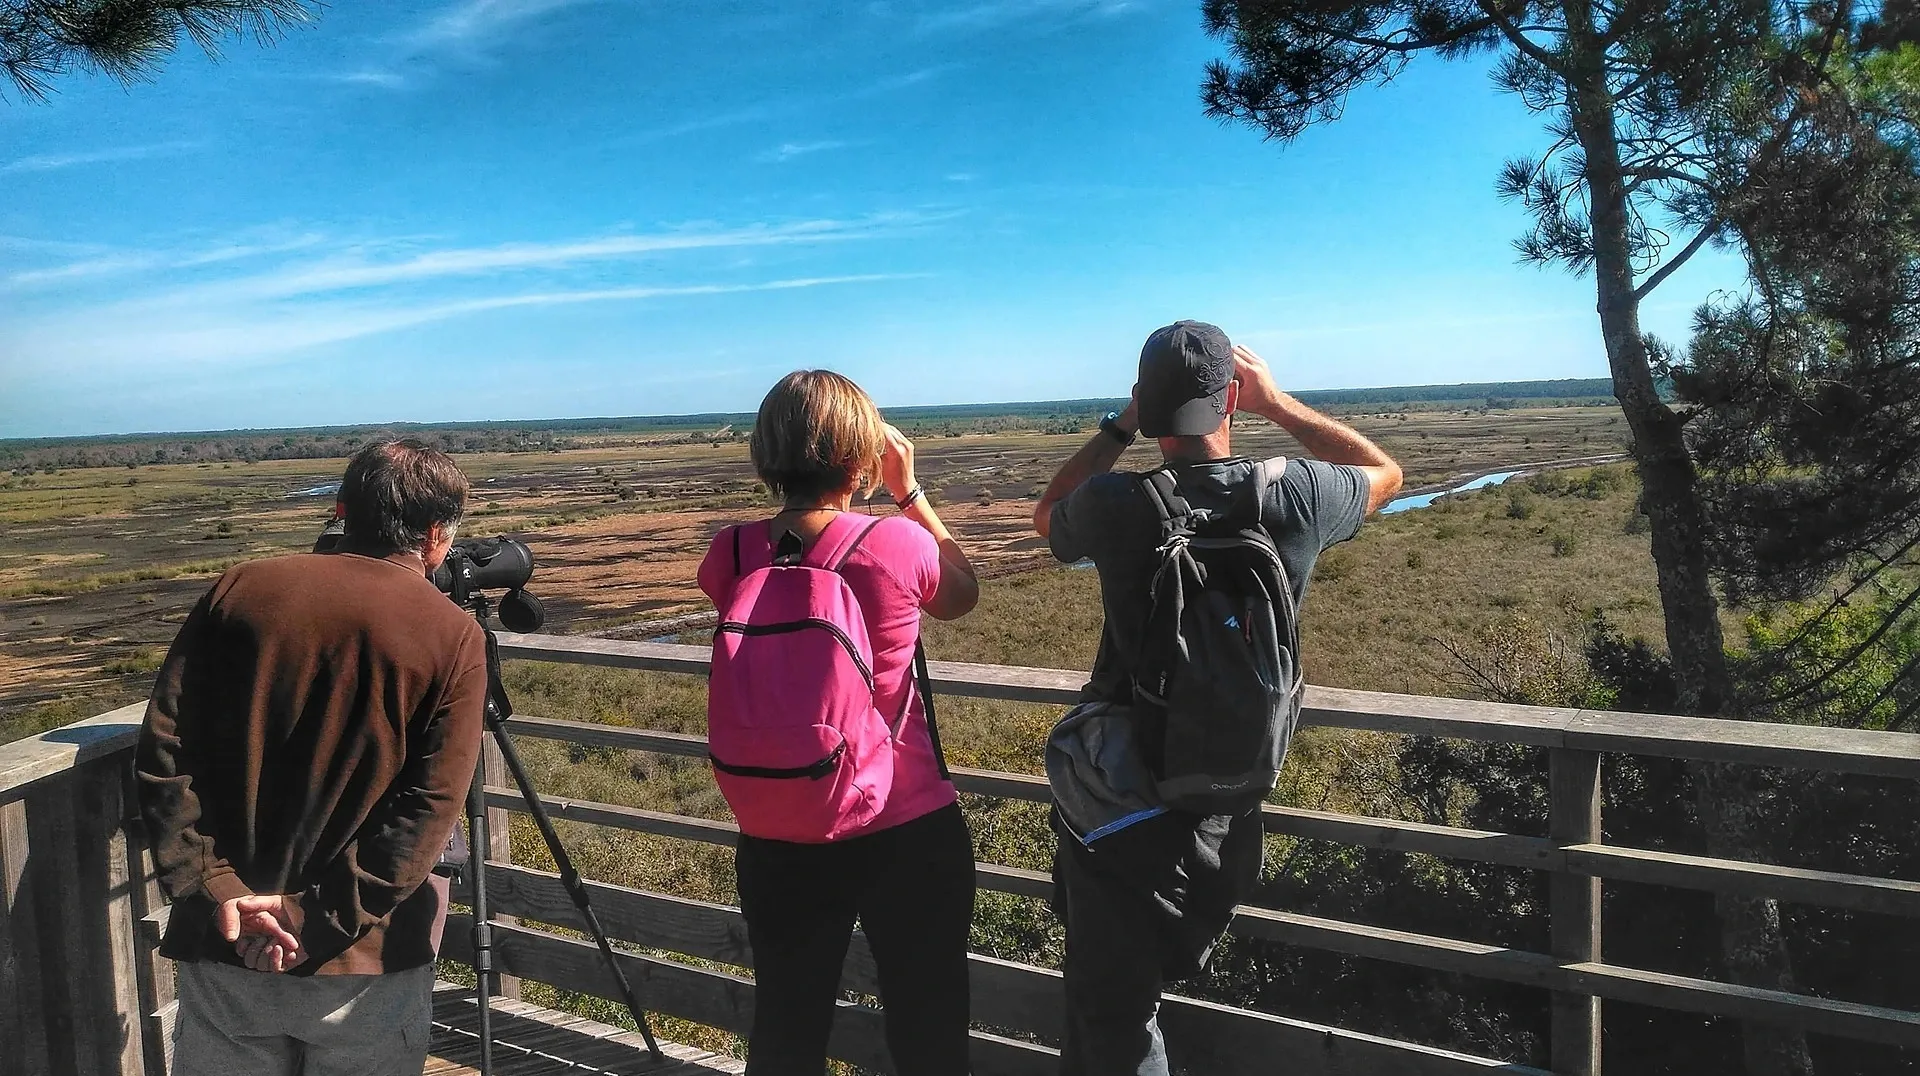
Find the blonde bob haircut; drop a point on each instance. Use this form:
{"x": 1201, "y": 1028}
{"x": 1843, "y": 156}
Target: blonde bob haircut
{"x": 817, "y": 433}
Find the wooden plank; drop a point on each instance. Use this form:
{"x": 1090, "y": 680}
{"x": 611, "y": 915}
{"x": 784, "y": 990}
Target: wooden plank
{"x": 1883, "y": 754}
{"x": 153, "y": 975}
{"x": 585, "y": 1045}
{"x": 1206, "y": 1037}
{"x": 493, "y": 767}
{"x": 606, "y": 653}
{"x": 998, "y": 879}
{"x": 22, "y": 1026}
{"x": 619, "y": 737}
{"x": 1842, "y": 1019}
{"x": 56, "y": 751}
{"x": 107, "y": 986}
{"x": 695, "y": 928}
{"x": 1481, "y": 846}
{"x": 1758, "y": 743}
{"x": 1573, "y": 909}
{"x": 53, "y": 869}
{"x": 1886, "y": 896}
{"x": 1868, "y": 1023}
{"x": 630, "y": 818}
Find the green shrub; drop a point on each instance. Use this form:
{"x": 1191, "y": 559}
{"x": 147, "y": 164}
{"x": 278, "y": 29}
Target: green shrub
{"x": 143, "y": 662}
{"x": 1334, "y": 565}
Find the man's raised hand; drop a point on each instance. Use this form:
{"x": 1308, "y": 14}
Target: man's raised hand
{"x": 1258, "y": 393}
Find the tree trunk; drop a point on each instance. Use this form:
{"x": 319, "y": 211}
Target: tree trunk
{"x": 1753, "y": 947}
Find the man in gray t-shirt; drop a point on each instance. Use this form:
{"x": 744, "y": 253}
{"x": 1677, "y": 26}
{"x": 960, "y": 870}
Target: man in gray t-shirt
{"x": 1145, "y": 901}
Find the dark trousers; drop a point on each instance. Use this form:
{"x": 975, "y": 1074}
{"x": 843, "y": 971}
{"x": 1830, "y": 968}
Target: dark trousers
{"x": 911, "y": 887}
{"x": 1143, "y": 907}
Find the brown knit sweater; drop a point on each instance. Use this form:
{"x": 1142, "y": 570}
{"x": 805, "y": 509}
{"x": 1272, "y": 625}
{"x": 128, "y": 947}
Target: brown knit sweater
{"x": 314, "y": 731}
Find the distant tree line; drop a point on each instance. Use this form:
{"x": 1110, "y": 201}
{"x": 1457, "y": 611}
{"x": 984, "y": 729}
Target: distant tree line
{"x": 22, "y": 457}
{"x": 554, "y": 435}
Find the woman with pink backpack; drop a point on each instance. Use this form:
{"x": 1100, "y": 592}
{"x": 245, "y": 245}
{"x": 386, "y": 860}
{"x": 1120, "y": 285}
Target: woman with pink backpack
{"x": 820, "y": 728}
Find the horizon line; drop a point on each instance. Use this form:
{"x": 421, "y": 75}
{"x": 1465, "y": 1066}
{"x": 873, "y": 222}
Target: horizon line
{"x": 686, "y": 415}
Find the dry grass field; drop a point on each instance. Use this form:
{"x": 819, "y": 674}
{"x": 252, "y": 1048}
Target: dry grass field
{"x": 98, "y": 566}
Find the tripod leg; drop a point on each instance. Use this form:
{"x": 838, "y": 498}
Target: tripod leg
{"x": 569, "y": 877}
{"x": 482, "y": 925}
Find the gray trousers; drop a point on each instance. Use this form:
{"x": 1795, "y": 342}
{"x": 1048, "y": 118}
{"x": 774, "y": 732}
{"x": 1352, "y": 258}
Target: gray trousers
{"x": 236, "y": 1022}
{"x": 1143, "y": 907}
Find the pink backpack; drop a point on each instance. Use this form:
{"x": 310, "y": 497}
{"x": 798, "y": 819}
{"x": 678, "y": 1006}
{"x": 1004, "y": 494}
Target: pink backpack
{"x": 797, "y": 745}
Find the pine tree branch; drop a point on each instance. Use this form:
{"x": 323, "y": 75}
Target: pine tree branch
{"x": 1521, "y": 41}
{"x": 1886, "y": 625}
{"x": 1674, "y": 263}
{"x": 1402, "y": 45}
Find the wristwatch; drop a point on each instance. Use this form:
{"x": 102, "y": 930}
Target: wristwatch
{"x": 1111, "y": 427}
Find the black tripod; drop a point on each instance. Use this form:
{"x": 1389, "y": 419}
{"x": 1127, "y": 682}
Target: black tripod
{"x": 499, "y": 708}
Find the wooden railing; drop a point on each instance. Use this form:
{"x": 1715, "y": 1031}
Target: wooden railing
{"x": 80, "y": 989}
{"x": 1215, "y": 1039}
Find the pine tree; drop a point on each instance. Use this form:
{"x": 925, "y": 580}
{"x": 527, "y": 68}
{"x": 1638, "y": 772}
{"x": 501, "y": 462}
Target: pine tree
{"x": 42, "y": 41}
{"x": 1777, "y": 128}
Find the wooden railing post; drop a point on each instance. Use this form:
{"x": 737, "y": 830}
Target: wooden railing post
{"x": 68, "y": 981}
{"x": 22, "y": 1028}
{"x": 493, "y": 768}
{"x": 154, "y": 974}
{"x": 1574, "y": 908}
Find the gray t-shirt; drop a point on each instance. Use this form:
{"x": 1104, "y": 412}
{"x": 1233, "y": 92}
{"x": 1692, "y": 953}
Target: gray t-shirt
{"x": 1307, "y": 508}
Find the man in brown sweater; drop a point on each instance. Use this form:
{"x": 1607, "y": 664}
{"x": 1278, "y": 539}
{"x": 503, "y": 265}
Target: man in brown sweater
{"x": 305, "y": 756}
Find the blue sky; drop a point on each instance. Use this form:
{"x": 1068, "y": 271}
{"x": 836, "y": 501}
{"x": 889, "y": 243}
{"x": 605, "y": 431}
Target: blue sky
{"x": 490, "y": 209}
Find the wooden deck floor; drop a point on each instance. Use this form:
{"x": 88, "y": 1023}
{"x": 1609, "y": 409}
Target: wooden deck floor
{"x": 531, "y": 1041}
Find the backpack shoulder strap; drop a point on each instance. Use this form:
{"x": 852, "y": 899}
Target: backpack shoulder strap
{"x": 1251, "y": 499}
{"x": 1164, "y": 494}
{"x": 923, "y": 683}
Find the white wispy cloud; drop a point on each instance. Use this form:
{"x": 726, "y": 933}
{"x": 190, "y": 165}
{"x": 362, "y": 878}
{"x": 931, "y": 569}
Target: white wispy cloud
{"x": 1003, "y": 12}
{"x": 49, "y": 162}
{"x": 195, "y": 338}
{"x": 113, "y": 263}
{"x": 390, "y": 80}
{"x": 473, "y": 23}
{"x": 351, "y": 272}
{"x": 786, "y": 106}
{"x": 787, "y": 151}
{"x": 463, "y": 28}
{"x": 251, "y": 299}
{"x": 376, "y": 264}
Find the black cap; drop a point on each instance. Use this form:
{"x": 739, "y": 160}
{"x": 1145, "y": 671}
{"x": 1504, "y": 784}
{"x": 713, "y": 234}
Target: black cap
{"x": 1185, "y": 369}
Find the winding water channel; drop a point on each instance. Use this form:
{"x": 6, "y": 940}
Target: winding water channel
{"x": 1425, "y": 500}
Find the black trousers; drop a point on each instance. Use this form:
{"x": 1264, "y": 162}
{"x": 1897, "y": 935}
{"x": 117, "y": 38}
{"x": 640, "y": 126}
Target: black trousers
{"x": 911, "y": 887}
{"x": 1143, "y": 907}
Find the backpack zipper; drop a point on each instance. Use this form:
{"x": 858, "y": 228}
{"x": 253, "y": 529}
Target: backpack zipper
{"x": 815, "y": 771}
{"x": 734, "y": 627}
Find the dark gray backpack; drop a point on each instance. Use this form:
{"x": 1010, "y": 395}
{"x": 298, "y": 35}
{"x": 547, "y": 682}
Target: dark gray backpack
{"x": 1217, "y": 684}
